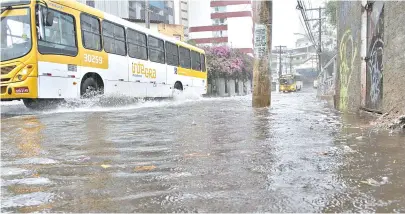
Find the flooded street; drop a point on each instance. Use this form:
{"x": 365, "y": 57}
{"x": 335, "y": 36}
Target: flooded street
{"x": 199, "y": 155}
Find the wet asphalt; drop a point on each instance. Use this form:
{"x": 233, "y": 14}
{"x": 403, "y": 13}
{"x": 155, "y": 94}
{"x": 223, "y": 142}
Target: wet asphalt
{"x": 198, "y": 155}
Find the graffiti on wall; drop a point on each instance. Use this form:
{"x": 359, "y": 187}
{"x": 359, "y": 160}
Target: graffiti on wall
{"x": 375, "y": 48}
{"x": 347, "y": 55}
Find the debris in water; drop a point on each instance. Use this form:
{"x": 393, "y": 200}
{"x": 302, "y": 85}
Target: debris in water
{"x": 105, "y": 166}
{"x": 144, "y": 168}
{"x": 323, "y": 153}
{"x": 371, "y": 182}
{"x": 197, "y": 155}
{"x": 347, "y": 149}
{"x": 384, "y": 180}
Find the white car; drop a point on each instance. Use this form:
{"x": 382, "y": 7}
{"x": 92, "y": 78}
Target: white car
{"x": 315, "y": 83}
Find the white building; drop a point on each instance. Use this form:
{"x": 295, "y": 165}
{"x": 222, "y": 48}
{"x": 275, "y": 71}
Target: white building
{"x": 222, "y": 22}
{"x": 181, "y": 15}
{"x": 159, "y": 10}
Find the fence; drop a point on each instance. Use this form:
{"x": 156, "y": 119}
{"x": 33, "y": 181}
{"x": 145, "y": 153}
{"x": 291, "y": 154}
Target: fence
{"x": 327, "y": 81}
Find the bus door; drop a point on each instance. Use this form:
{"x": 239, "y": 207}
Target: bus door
{"x": 57, "y": 53}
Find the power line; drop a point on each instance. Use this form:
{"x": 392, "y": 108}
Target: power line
{"x": 302, "y": 7}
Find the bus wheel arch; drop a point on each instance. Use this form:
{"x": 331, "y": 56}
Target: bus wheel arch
{"x": 178, "y": 86}
{"x": 91, "y": 82}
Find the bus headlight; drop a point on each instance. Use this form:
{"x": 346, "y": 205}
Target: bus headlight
{"x": 23, "y": 73}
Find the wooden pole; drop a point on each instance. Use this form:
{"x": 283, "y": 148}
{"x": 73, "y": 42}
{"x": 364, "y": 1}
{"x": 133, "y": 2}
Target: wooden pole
{"x": 262, "y": 13}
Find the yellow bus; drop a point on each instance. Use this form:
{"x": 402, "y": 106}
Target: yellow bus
{"x": 287, "y": 83}
{"x": 53, "y": 50}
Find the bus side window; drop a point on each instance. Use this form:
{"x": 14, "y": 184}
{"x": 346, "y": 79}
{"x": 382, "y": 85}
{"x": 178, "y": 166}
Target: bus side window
{"x": 91, "y": 32}
{"x": 195, "y": 61}
{"x": 156, "y": 50}
{"x": 172, "y": 54}
{"x": 60, "y": 38}
{"x": 203, "y": 62}
{"x": 137, "y": 47}
{"x": 114, "y": 38}
{"x": 185, "y": 61}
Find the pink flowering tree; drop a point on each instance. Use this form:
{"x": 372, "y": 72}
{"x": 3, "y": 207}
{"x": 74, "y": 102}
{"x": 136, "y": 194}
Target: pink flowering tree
{"x": 225, "y": 62}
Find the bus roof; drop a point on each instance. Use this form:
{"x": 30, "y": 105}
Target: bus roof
{"x": 101, "y": 14}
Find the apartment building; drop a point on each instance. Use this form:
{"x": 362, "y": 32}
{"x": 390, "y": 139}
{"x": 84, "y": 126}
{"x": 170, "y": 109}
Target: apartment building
{"x": 160, "y": 11}
{"x": 224, "y": 22}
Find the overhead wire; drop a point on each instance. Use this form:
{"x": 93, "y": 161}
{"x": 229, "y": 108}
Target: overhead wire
{"x": 307, "y": 28}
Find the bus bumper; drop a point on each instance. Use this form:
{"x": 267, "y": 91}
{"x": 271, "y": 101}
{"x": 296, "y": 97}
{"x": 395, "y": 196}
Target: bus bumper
{"x": 20, "y": 90}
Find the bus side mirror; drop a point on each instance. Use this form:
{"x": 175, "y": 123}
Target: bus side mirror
{"x": 49, "y": 19}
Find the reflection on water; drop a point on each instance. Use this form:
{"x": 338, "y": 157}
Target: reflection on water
{"x": 26, "y": 188}
{"x": 371, "y": 169}
{"x": 200, "y": 155}
{"x": 30, "y": 137}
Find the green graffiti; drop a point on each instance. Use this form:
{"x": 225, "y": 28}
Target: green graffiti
{"x": 347, "y": 55}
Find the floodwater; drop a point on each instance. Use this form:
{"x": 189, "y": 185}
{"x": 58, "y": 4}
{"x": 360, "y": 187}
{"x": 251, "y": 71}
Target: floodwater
{"x": 198, "y": 155}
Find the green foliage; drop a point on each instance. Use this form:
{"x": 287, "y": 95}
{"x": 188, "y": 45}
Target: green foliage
{"x": 331, "y": 12}
{"x": 226, "y": 62}
{"x": 191, "y": 42}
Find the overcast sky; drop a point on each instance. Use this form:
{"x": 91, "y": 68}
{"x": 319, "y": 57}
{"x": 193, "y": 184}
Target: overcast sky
{"x": 286, "y": 21}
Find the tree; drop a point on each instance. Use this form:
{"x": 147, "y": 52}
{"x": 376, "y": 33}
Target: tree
{"x": 331, "y": 12}
{"x": 191, "y": 42}
{"x": 226, "y": 62}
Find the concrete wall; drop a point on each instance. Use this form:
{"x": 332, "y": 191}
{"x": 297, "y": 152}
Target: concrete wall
{"x": 240, "y": 88}
{"x": 394, "y": 57}
{"x": 348, "y": 88}
{"x": 217, "y": 87}
{"x": 231, "y": 87}
{"x": 371, "y": 74}
{"x": 220, "y": 84}
{"x": 175, "y": 31}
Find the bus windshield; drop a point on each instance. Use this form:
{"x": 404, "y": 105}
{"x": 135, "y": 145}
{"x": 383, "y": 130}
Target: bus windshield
{"x": 15, "y": 33}
{"x": 285, "y": 81}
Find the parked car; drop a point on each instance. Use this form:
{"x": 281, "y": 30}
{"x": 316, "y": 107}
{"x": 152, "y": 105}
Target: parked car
{"x": 315, "y": 83}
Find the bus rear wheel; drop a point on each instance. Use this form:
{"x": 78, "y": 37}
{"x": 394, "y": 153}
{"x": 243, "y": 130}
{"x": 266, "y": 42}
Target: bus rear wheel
{"x": 42, "y": 104}
{"x": 90, "y": 88}
{"x": 178, "y": 86}
{"x": 177, "y": 89}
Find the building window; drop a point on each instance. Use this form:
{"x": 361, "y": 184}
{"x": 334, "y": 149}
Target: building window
{"x": 137, "y": 47}
{"x": 219, "y": 9}
{"x": 219, "y": 21}
{"x": 156, "y": 50}
{"x": 219, "y": 34}
{"x": 195, "y": 61}
{"x": 60, "y": 38}
{"x": 91, "y": 32}
{"x": 90, "y": 3}
{"x": 172, "y": 54}
{"x": 114, "y": 38}
{"x": 185, "y": 61}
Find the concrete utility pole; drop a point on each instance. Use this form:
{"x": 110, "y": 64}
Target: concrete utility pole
{"x": 301, "y": 7}
{"x": 280, "y": 69}
{"x": 147, "y": 18}
{"x": 319, "y": 35}
{"x": 320, "y": 39}
{"x": 290, "y": 57}
{"x": 262, "y": 17}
